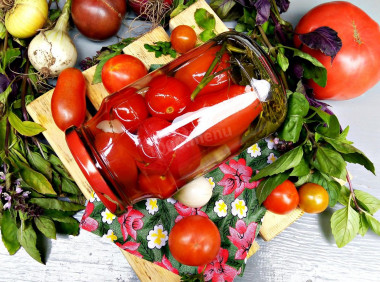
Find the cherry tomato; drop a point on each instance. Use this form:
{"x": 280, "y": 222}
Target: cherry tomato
{"x": 231, "y": 126}
{"x": 183, "y": 38}
{"x": 283, "y": 199}
{"x": 167, "y": 153}
{"x": 313, "y": 198}
{"x": 356, "y": 68}
{"x": 120, "y": 71}
{"x": 193, "y": 72}
{"x": 68, "y": 103}
{"x": 167, "y": 97}
{"x": 159, "y": 186}
{"x": 194, "y": 240}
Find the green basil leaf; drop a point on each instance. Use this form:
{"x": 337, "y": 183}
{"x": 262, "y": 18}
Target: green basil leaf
{"x": 367, "y": 201}
{"x": 222, "y": 7}
{"x": 65, "y": 219}
{"x": 40, "y": 164}
{"x": 98, "y": 71}
{"x": 330, "y": 162}
{"x": 28, "y": 240}
{"x": 48, "y": 203}
{"x": 54, "y": 214}
{"x": 8, "y": 230}
{"x": 46, "y": 226}
{"x": 301, "y": 169}
{"x": 27, "y": 128}
{"x": 207, "y": 35}
{"x": 71, "y": 228}
{"x": 373, "y": 223}
{"x": 3, "y": 31}
{"x": 204, "y": 19}
{"x": 58, "y": 166}
{"x": 332, "y": 129}
{"x": 333, "y": 189}
{"x": 70, "y": 187}
{"x": 298, "y": 105}
{"x": 363, "y": 224}
{"x": 287, "y": 161}
{"x": 282, "y": 61}
{"x": 4, "y": 99}
{"x": 345, "y": 225}
{"x": 268, "y": 185}
{"x": 344, "y": 195}
{"x": 10, "y": 55}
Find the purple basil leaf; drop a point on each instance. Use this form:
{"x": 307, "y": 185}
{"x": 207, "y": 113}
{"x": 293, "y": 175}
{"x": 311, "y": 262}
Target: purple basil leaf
{"x": 298, "y": 70}
{"x": 263, "y": 11}
{"x": 282, "y": 5}
{"x": 324, "y": 39}
{"x": 246, "y": 3}
{"x": 5, "y": 81}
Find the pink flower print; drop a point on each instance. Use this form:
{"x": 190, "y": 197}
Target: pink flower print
{"x": 131, "y": 221}
{"x": 88, "y": 223}
{"x": 184, "y": 211}
{"x": 218, "y": 270}
{"x": 236, "y": 177}
{"x": 165, "y": 263}
{"x": 242, "y": 237}
{"x": 130, "y": 247}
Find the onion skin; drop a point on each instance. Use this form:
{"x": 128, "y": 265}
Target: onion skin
{"x": 98, "y": 19}
{"x": 26, "y": 17}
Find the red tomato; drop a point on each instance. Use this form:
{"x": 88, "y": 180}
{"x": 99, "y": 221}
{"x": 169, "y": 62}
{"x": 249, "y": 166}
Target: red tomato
{"x": 231, "y": 126}
{"x": 159, "y": 186}
{"x": 193, "y": 72}
{"x": 68, "y": 103}
{"x": 167, "y": 97}
{"x": 183, "y": 38}
{"x": 283, "y": 199}
{"x": 356, "y": 68}
{"x": 166, "y": 153}
{"x": 313, "y": 198}
{"x": 194, "y": 240}
{"x": 120, "y": 71}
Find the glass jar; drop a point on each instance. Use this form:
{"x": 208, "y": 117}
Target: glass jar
{"x": 179, "y": 122}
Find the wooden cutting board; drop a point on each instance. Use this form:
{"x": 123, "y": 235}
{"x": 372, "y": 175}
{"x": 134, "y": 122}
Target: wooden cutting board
{"x": 40, "y": 111}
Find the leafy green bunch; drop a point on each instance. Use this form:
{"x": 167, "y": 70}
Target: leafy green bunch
{"x": 38, "y": 197}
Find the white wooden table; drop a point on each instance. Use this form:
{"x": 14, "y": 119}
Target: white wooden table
{"x": 303, "y": 252}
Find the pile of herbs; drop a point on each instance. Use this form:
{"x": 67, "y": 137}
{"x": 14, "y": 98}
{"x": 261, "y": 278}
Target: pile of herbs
{"x": 315, "y": 148}
{"x": 38, "y": 197}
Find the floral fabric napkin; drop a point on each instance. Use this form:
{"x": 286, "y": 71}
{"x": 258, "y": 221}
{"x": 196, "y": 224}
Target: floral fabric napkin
{"x": 143, "y": 230}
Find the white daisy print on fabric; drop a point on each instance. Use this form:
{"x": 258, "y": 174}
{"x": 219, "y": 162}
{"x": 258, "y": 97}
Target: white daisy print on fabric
{"x": 151, "y": 205}
{"x": 110, "y": 236}
{"x": 171, "y": 200}
{"x": 254, "y": 151}
{"x": 270, "y": 142}
{"x": 271, "y": 158}
{"x": 94, "y": 197}
{"x": 107, "y": 216}
{"x": 211, "y": 181}
{"x": 157, "y": 237}
{"x": 220, "y": 208}
{"x": 239, "y": 208}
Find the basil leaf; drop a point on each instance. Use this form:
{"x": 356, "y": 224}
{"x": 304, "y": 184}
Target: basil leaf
{"x": 71, "y": 228}
{"x": 345, "y": 225}
{"x": 367, "y": 201}
{"x": 282, "y": 61}
{"x": 70, "y": 187}
{"x": 333, "y": 189}
{"x": 363, "y": 224}
{"x": 287, "y": 161}
{"x": 263, "y": 11}
{"x": 40, "y": 164}
{"x": 27, "y": 128}
{"x": 330, "y": 162}
{"x": 98, "y": 71}
{"x": 8, "y": 230}
{"x": 344, "y": 195}
{"x": 332, "y": 129}
{"x": 301, "y": 169}
{"x": 373, "y": 223}
{"x": 268, "y": 185}
{"x": 207, "y": 35}
{"x": 46, "y": 226}
{"x": 55, "y": 204}
{"x": 222, "y": 7}
{"x": 10, "y": 55}
{"x": 28, "y": 240}
{"x": 58, "y": 166}
{"x": 204, "y": 19}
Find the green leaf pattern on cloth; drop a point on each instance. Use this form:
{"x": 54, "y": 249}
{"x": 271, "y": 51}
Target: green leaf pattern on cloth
{"x": 143, "y": 230}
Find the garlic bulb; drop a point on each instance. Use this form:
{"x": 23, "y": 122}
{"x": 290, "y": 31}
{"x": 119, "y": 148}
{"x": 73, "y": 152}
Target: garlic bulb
{"x": 52, "y": 51}
{"x": 195, "y": 194}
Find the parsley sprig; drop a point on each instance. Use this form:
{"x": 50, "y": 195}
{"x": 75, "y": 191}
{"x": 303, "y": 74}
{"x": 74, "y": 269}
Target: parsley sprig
{"x": 161, "y": 48}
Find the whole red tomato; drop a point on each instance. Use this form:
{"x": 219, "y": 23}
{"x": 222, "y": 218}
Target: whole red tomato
{"x": 356, "y": 68}
{"x": 283, "y": 199}
{"x": 183, "y": 38}
{"x": 167, "y": 97}
{"x": 193, "y": 72}
{"x": 194, "y": 240}
{"x": 158, "y": 186}
{"x": 68, "y": 103}
{"x": 120, "y": 71}
{"x": 232, "y": 125}
{"x": 313, "y": 198}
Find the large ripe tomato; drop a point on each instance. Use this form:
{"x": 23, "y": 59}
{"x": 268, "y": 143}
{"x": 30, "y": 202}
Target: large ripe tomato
{"x": 193, "y": 72}
{"x": 230, "y": 125}
{"x": 167, "y": 97}
{"x": 183, "y": 38}
{"x": 356, "y": 68}
{"x": 313, "y": 198}
{"x": 283, "y": 199}
{"x": 194, "y": 240}
{"x": 68, "y": 103}
{"x": 120, "y": 71}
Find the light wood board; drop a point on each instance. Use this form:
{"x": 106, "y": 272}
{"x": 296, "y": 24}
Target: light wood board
{"x": 40, "y": 111}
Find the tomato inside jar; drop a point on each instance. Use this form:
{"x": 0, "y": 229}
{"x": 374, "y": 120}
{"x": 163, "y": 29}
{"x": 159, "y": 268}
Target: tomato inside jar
{"x": 184, "y": 119}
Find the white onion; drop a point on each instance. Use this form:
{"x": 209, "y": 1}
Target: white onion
{"x": 195, "y": 194}
{"x": 52, "y": 51}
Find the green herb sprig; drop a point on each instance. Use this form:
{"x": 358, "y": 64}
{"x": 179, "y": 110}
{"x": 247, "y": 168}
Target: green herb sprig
{"x": 161, "y": 48}
{"x": 206, "y": 21}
